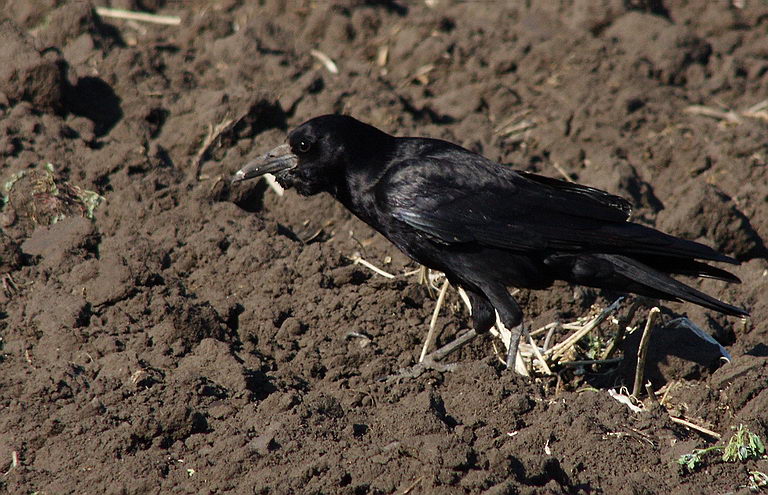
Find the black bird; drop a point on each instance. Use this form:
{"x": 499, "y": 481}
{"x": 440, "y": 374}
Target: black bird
{"x": 485, "y": 225}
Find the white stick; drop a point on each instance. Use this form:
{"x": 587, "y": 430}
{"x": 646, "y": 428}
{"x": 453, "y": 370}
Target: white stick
{"x": 325, "y": 60}
{"x": 537, "y": 353}
{"x": 696, "y": 427}
{"x": 360, "y": 261}
{"x": 559, "y": 349}
{"x": 433, "y": 321}
{"x": 273, "y": 184}
{"x": 130, "y": 15}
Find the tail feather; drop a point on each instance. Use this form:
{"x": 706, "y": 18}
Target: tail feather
{"x": 661, "y": 285}
{"x": 639, "y": 241}
{"x": 691, "y": 268}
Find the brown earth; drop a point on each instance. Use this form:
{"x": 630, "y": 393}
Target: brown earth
{"x": 197, "y": 338}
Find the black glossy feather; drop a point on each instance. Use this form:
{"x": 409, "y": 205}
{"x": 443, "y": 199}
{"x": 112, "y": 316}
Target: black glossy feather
{"x": 489, "y": 227}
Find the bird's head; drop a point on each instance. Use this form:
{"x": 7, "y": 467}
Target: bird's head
{"x": 317, "y": 154}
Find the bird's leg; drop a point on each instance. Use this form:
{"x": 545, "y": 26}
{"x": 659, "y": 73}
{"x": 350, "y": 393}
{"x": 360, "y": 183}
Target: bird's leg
{"x": 510, "y": 316}
{"x": 484, "y": 306}
{"x": 483, "y": 317}
{"x": 454, "y": 345}
{"x": 514, "y": 343}
{"x": 431, "y": 360}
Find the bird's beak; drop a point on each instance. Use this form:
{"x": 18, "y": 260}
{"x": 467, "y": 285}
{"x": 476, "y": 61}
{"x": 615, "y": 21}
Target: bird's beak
{"x": 276, "y": 160}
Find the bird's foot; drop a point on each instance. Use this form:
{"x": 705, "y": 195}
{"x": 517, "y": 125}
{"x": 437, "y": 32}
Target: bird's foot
{"x": 419, "y": 369}
{"x": 450, "y": 347}
{"x": 430, "y": 362}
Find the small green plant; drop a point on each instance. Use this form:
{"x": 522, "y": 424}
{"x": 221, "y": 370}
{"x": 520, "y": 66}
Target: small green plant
{"x": 693, "y": 461}
{"x": 595, "y": 347}
{"x": 742, "y": 446}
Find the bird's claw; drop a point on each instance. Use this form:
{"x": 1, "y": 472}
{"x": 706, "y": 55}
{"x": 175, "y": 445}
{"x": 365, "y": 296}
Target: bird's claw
{"x": 418, "y": 369}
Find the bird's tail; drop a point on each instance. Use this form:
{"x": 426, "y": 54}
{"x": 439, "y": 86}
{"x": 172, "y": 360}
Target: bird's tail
{"x": 688, "y": 267}
{"x": 644, "y": 276}
{"x": 651, "y": 282}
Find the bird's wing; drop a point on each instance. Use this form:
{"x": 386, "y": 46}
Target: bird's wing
{"x": 610, "y": 206}
{"x": 477, "y": 201}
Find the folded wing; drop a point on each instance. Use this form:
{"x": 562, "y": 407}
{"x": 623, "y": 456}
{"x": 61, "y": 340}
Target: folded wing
{"x": 477, "y": 201}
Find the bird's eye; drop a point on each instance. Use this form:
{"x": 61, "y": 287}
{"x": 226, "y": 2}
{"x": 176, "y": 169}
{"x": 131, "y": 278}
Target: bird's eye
{"x": 304, "y": 146}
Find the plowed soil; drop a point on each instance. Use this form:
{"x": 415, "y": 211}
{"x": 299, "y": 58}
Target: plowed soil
{"x": 163, "y": 331}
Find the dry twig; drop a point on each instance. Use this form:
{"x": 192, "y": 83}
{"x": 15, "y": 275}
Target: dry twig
{"x": 560, "y": 349}
{"x": 324, "y": 59}
{"x": 623, "y": 324}
{"x": 589, "y": 362}
{"x": 562, "y": 171}
{"x": 130, "y": 15}
{"x": 433, "y": 321}
{"x": 358, "y": 260}
{"x": 14, "y": 462}
{"x": 214, "y": 133}
{"x": 412, "y": 486}
{"x": 537, "y": 352}
{"x": 382, "y": 55}
{"x": 727, "y": 115}
{"x": 515, "y": 128}
{"x": 642, "y": 351}
{"x": 757, "y": 111}
{"x": 696, "y": 427}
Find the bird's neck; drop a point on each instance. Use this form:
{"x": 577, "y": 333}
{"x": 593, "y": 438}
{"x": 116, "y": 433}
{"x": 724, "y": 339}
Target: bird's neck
{"x": 356, "y": 193}
{"x": 351, "y": 193}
